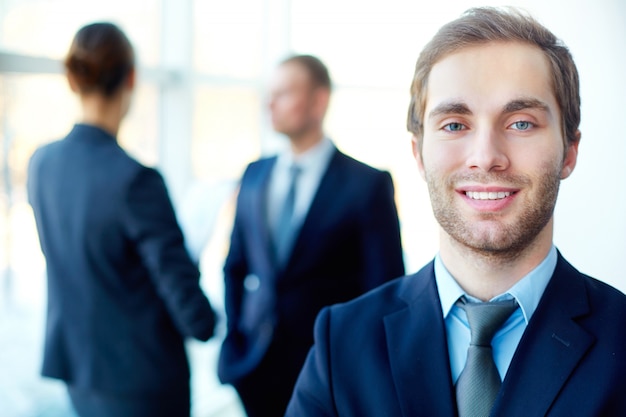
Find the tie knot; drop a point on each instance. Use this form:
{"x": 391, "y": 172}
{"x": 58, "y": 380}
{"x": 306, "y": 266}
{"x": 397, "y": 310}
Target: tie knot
{"x": 295, "y": 170}
{"x": 486, "y": 318}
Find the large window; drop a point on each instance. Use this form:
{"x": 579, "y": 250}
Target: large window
{"x": 36, "y": 106}
{"x": 46, "y": 27}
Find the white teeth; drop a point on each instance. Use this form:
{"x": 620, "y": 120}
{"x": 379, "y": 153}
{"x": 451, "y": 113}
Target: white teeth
{"x": 482, "y": 195}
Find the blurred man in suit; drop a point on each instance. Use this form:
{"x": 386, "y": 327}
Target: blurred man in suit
{"x": 499, "y": 324}
{"x": 312, "y": 227}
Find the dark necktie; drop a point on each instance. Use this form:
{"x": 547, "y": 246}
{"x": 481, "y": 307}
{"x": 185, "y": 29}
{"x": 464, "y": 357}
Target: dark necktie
{"x": 479, "y": 382}
{"x": 284, "y": 232}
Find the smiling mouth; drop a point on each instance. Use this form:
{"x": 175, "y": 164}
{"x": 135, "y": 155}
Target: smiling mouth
{"x": 492, "y": 195}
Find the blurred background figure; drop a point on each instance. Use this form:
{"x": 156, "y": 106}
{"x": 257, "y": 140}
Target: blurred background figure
{"x": 122, "y": 290}
{"x": 312, "y": 227}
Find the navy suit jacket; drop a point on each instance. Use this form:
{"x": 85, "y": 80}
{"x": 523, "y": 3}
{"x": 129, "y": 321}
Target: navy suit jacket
{"x": 349, "y": 243}
{"x": 122, "y": 290}
{"x": 385, "y": 354}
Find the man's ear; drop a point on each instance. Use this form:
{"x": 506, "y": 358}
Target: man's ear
{"x": 416, "y": 144}
{"x": 72, "y": 82}
{"x": 571, "y": 156}
{"x": 321, "y": 100}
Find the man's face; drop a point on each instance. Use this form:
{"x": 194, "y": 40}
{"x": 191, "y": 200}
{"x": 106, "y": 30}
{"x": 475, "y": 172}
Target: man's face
{"x": 292, "y": 100}
{"x": 493, "y": 153}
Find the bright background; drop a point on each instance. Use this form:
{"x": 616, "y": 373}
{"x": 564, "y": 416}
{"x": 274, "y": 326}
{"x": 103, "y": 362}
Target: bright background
{"x": 199, "y": 115}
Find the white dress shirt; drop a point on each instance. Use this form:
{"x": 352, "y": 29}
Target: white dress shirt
{"x": 313, "y": 164}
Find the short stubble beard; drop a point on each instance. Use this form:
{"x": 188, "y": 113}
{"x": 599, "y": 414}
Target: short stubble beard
{"x": 502, "y": 242}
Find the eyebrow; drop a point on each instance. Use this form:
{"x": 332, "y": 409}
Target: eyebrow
{"x": 450, "y": 107}
{"x": 525, "y": 104}
{"x": 459, "y": 107}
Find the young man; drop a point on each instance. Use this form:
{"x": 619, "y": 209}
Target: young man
{"x": 313, "y": 227}
{"x": 495, "y": 112}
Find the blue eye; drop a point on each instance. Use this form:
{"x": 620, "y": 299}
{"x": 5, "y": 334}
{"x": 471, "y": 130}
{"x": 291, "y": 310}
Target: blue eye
{"x": 522, "y": 125}
{"x": 454, "y": 127}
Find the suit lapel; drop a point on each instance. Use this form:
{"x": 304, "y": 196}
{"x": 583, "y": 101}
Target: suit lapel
{"x": 260, "y": 232}
{"x": 323, "y": 200}
{"x": 418, "y": 351}
{"x": 552, "y": 341}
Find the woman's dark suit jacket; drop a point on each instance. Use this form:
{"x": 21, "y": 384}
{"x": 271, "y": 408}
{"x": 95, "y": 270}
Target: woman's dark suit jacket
{"x": 122, "y": 290}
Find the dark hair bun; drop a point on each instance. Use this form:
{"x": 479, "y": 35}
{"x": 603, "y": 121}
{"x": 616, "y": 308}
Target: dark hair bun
{"x": 100, "y": 58}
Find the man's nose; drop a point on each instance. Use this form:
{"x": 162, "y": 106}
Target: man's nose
{"x": 488, "y": 151}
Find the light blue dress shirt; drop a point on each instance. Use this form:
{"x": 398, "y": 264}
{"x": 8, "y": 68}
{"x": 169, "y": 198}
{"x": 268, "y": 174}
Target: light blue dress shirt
{"x": 527, "y": 292}
{"x": 313, "y": 164}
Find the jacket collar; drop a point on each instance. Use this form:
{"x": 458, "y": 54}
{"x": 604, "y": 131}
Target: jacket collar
{"x": 418, "y": 349}
{"x": 553, "y": 340}
{"x": 418, "y": 352}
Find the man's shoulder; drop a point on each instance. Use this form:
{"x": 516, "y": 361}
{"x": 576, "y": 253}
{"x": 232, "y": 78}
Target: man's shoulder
{"x": 270, "y": 159}
{"x": 599, "y": 306}
{"x": 260, "y": 164}
{"x": 386, "y": 299}
{"x": 596, "y": 288}
{"x": 368, "y": 310}
{"x": 604, "y": 294}
{"x": 258, "y": 169}
{"x": 359, "y": 167}
{"x": 602, "y": 288}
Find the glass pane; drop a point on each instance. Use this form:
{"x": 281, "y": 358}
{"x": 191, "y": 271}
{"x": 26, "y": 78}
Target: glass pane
{"x": 226, "y": 131}
{"x": 370, "y": 124}
{"x": 228, "y": 37}
{"x": 139, "y": 133}
{"x": 368, "y": 42}
{"x": 46, "y": 28}
{"x": 35, "y": 110}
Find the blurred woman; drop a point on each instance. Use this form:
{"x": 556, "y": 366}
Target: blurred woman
{"x": 122, "y": 290}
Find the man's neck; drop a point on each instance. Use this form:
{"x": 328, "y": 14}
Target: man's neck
{"x": 486, "y": 275}
{"x": 305, "y": 141}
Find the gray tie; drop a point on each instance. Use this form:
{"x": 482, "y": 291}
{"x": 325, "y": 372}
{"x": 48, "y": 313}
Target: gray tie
{"x": 284, "y": 232}
{"x": 479, "y": 382}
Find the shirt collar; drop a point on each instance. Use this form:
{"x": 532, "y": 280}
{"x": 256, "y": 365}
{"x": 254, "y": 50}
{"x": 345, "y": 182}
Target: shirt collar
{"x": 313, "y": 157}
{"x": 527, "y": 291}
